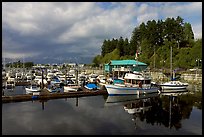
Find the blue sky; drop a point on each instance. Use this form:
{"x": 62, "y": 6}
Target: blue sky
{"x": 55, "y": 32}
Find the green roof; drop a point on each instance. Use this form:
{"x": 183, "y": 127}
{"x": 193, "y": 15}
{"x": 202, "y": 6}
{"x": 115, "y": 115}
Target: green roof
{"x": 126, "y": 62}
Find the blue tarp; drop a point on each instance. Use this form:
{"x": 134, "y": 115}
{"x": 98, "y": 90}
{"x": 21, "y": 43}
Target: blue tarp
{"x": 92, "y": 86}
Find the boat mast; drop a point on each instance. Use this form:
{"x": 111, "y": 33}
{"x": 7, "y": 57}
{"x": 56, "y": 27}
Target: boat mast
{"x": 171, "y": 63}
{"x": 136, "y": 57}
{"x": 154, "y": 57}
{"x": 23, "y": 68}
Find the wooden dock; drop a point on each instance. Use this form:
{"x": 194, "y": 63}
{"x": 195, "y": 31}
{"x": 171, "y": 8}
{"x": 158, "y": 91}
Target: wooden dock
{"x": 44, "y": 95}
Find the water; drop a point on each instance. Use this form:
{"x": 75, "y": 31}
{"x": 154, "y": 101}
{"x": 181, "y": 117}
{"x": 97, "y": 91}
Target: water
{"x": 94, "y": 116}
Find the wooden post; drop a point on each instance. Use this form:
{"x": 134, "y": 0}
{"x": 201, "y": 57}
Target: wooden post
{"x": 77, "y": 101}
{"x": 43, "y": 105}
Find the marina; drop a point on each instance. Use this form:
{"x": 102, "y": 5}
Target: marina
{"x": 102, "y": 68}
{"x": 103, "y": 114}
{"x": 88, "y": 98}
{"x": 60, "y": 83}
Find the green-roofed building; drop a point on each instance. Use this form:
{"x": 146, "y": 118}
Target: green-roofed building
{"x": 120, "y": 67}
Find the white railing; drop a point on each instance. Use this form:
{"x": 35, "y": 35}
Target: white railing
{"x": 121, "y": 69}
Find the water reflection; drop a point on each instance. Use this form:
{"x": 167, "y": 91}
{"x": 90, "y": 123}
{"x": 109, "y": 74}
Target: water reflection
{"x": 167, "y": 109}
{"x": 44, "y": 101}
{"x": 149, "y": 114}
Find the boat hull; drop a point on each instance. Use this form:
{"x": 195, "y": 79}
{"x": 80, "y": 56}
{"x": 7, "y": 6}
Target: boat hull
{"x": 173, "y": 90}
{"x": 173, "y": 87}
{"x": 32, "y": 90}
{"x": 119, "y": 90}
{"x": 71, "y": 88}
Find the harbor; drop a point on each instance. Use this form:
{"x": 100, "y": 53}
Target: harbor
{"x": 102, "y": 68}
{"x": 78, "y": 75}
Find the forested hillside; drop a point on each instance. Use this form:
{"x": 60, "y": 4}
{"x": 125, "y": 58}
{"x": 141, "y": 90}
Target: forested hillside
{"x": 152, "y": 40}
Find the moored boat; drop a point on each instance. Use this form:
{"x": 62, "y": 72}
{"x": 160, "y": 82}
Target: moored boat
{"x": 91, "y": 86}
{"x": 71, "y": 86}
{"x": 173, "y": 85}
{"x": 32, "y": 89}
{"x": 134, "y": 83}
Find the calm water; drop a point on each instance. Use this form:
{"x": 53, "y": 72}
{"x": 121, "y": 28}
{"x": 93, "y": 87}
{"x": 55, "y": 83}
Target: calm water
{"x": 158, "y": 115}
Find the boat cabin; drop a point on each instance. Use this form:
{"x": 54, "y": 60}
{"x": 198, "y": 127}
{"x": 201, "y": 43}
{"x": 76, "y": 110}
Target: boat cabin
{"x": 137, "y": 80}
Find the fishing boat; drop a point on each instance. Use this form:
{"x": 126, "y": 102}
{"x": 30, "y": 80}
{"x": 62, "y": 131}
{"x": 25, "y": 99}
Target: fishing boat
{"x": 134, "y": 83}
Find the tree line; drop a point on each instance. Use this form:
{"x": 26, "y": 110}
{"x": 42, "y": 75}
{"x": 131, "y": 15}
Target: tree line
{"x": 19, "y": 64}
{"x": 152, "y": 40}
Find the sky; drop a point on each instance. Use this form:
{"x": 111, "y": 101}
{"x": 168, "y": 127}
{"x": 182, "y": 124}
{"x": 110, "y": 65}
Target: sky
{"x": 65, "y": 32}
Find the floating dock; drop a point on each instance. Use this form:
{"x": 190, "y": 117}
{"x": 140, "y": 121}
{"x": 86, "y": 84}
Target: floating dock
{"x": 45, "y": 95}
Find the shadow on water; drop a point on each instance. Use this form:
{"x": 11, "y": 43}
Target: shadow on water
{"x": 167, "y": 109}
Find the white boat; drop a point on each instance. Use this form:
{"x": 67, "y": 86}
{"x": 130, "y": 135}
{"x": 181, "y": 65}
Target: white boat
{"x": 71, "y": 86}
{"x": 32, "y": 89}
{"x": 134, "y": 83}
{"x": 171, "y": 86}
{"x": 101, "y": 79}
{"x": 10, "y": 83}
{"x": 38, "y": 80}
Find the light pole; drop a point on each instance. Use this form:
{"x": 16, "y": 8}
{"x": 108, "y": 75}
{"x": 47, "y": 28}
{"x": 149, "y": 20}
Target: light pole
{"x": 197, "y": 60}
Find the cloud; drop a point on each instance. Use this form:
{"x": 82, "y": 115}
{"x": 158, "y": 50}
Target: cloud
{"x": 175, "y": 9}
{"x": 198, "y": 29}
{"x": 67, "y": 29}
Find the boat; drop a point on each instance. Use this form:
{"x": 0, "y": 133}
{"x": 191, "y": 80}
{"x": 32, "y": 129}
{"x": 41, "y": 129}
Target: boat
{"x": 38, "y": 80}
{"x": 53, "y": 89}
{"x": 10, "y": 83}
{"x": 71, "y": 86}
{"x": 91, "y": 86}
{"x": 32, "y": 89}
{"x": 134, "y": 83}
{"x": 173, "y": 84}
{"x": 101, "y": 80}
{"x": 55, "y": 81}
